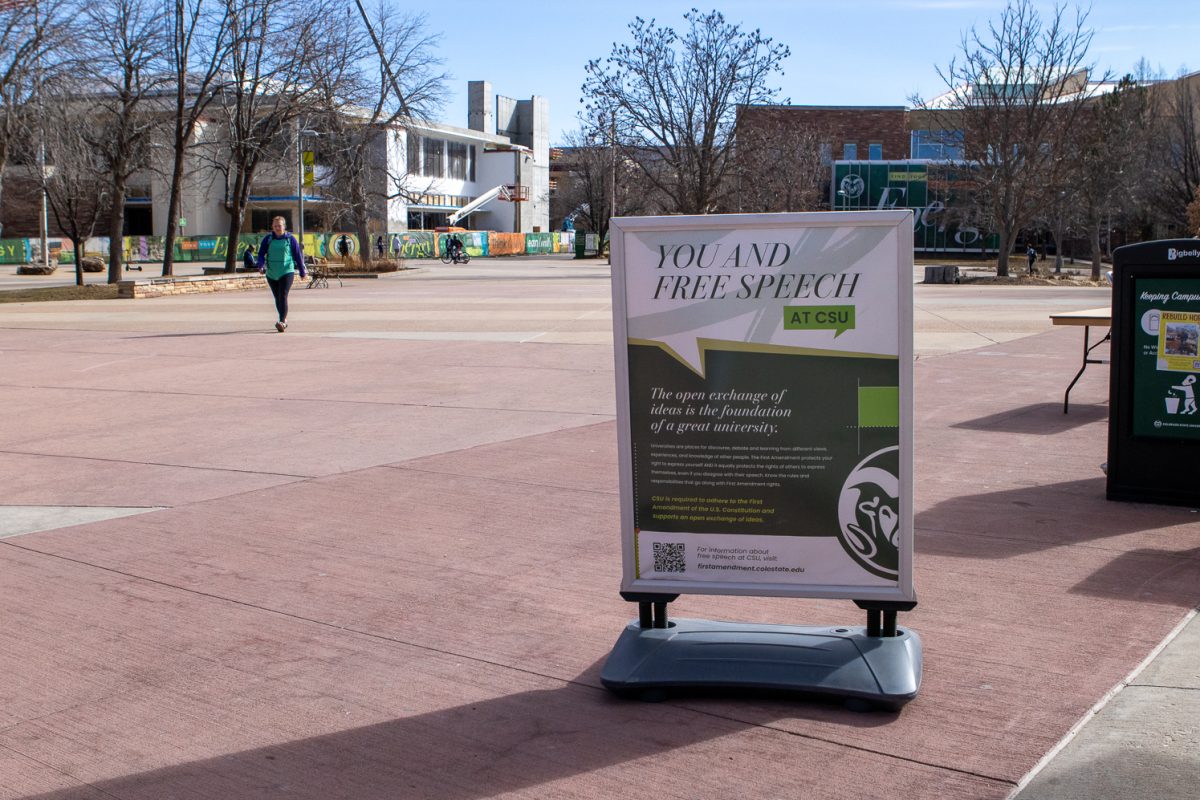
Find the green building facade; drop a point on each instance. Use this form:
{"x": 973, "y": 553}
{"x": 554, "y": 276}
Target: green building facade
{"x": 935, "y": 191}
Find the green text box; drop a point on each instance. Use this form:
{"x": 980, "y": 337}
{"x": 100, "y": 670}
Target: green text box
{"x": 819, "y": 318}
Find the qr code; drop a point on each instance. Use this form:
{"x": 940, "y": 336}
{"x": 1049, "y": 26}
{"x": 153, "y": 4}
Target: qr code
{"x": 669, "y": 557}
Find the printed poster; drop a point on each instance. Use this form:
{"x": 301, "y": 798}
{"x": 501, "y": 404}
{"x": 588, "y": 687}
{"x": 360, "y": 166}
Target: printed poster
{"x": 1166, "y": 358}
{"x": 764, "y": 367}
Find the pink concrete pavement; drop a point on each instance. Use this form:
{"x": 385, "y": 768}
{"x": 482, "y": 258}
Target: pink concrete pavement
{"x": 390, "y": 570}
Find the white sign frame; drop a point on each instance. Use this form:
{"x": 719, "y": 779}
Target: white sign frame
{"x": 901, "y": 221}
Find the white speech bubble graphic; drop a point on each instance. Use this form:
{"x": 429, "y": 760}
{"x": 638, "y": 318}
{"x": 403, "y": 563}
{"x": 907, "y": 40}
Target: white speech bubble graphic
{"x": 687, "y": 288}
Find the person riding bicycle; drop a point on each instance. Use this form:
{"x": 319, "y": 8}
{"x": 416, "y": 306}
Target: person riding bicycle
{"x": 454, "y": 247}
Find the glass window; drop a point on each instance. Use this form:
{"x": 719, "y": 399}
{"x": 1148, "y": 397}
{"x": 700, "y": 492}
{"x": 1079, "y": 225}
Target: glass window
{"x": 875, "y": 151}
{"x": 937, "y": 145}
{"x": 849, "y": 151}
{"x": 414, "y": 154}
{"x": 457, "y": 157}
{"x": 471, "y": 164}
{"x": 826, "y": 151}
{"x": 432, "y": 150}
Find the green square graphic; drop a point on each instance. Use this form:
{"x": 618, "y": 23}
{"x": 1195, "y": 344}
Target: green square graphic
{"x": 879, "y": 406}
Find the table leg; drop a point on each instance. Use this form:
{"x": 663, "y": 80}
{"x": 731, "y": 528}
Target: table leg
{"x": 1067, "y": 397}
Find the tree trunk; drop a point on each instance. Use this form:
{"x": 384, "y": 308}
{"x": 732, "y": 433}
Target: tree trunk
{"x": 78, "y": 248}
{"x": 1095, "y": 232}
{"x": 5, "y": 139}
{"x": 241, "y": 190}
{"x": 168, "y": 266}
{"x": 1058, "y": 259}
{"x": 235, "y": 228}
{"x": 116, "y": 230}
{"x": 1006, "y": 243}
{"x": 361, "y": 223}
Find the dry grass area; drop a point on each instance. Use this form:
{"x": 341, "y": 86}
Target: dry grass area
{"x": 983, "y": 272}
{"x": 95, "y": 291}
{"x": 1033, "y": 280}
{"x": 336, "y": 267}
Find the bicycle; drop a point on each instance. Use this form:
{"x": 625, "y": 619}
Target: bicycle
{"x": 457, "y": 257}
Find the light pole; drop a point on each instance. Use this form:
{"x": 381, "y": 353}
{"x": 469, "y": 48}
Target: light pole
{"x": 44, "y": 219}
{"x": 1058, "y": 234}
{"x": 611, "y": 136}
{"x": 300, "y": 134}
{"x": 612, "y": 162}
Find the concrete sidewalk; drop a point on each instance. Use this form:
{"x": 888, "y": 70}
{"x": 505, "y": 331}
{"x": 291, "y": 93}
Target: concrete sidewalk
{"x": 378, "y": 559}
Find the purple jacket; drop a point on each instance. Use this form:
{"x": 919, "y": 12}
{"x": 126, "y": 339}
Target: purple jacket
{"x": 297, "y": 253}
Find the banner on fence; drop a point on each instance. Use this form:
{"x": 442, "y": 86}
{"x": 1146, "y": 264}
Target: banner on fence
{"x": 539, "y": 243}
{"x": 506, "y": 244}
{"x": 414, "y": 244}
{"x": 14, "y": 251}
{"x": 564, "y": 241}
{"x": 474, "y": 242}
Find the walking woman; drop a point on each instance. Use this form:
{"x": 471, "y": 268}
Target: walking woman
{"x": 281, "y": 256}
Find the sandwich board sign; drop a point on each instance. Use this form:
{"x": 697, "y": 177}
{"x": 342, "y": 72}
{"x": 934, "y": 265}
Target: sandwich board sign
{"x": 764, "y": 403}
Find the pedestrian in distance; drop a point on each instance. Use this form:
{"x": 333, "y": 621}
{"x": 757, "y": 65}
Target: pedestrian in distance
{"x": 1031, "y": 254}
{"x": 342, "y": 246}
{"x": 380, "y": 247}
{"x": 280, "y": 256}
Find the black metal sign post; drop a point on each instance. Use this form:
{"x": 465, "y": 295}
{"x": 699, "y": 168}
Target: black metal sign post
{"x": 1154, "y": 423}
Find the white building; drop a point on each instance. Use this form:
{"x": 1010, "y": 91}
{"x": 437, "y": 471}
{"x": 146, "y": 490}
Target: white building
{"x": 507, "y": 143}
{"x": 441, "y": 169}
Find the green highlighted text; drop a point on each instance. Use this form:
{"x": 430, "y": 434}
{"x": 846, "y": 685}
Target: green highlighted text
{"x": 815, "y": 318}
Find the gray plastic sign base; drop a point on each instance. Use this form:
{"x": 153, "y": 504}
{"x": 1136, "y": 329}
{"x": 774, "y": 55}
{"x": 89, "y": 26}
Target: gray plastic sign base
{"x": 840, "y": 661}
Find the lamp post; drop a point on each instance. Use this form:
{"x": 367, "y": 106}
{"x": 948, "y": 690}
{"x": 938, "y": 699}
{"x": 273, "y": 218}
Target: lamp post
{"x": 1058, "y": 234}
{"x": 1108, "y": 212}
{"x": 300, "y": 134}
{"x": 44, "y": 218}
{"x": 612, "y": 162}
{"x": 611, "y": 135}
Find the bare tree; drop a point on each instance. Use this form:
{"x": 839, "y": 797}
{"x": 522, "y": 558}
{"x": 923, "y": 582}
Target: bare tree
{"x": 1110, "y": 153}
{"x": 29, "y": 30}
{"x": 1177, "y": 144}
{"x": 675, "y": 97}
{"x": 1193, "y": 214}
{"x": 368, "y": 78}
{"x": 76, "y": 187}
{"x": 125, "y": 71}
{"x": 267, "y": 89}
{"x": 200, "y": 42}
{"x": 780, "y": 166}
{"x": 598, "y": 180}
{"x": 1015, "y": 91}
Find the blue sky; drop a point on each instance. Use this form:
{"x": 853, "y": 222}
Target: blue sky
{"x": 871, "y": 52}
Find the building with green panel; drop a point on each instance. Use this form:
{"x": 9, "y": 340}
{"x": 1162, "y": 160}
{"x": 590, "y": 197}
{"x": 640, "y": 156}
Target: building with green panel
{"x": 943, "y": 217}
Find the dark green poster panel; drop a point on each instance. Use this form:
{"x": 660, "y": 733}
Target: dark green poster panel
{"x": 1166, "y": 362}
{"x": 762, "y": 444}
